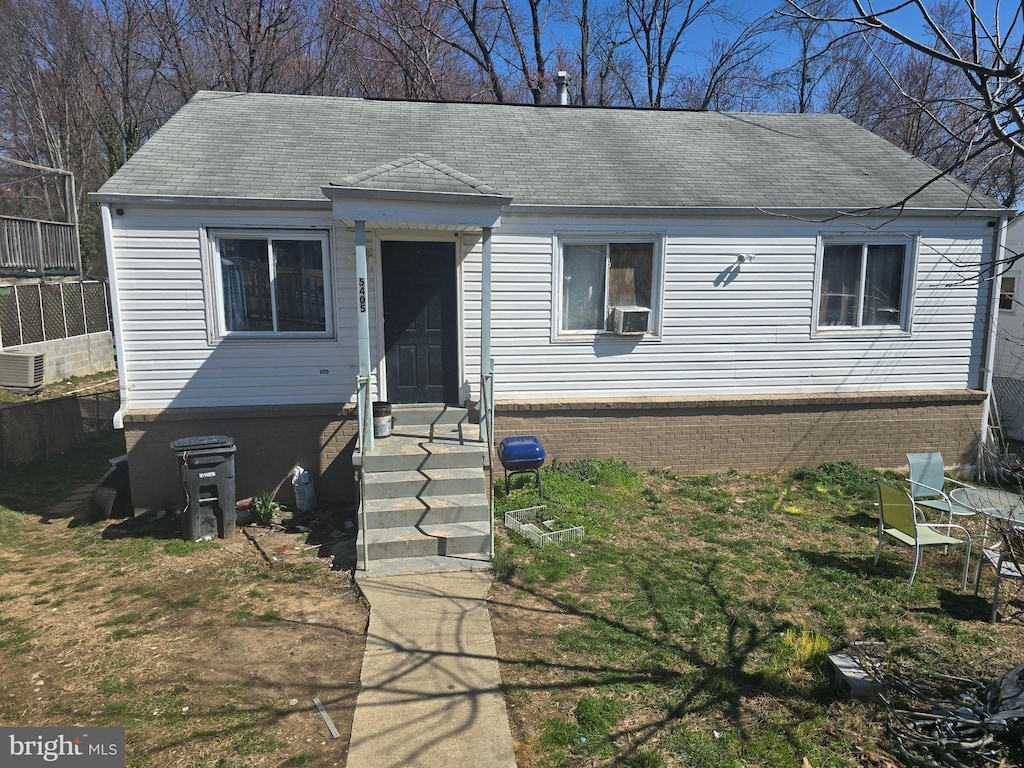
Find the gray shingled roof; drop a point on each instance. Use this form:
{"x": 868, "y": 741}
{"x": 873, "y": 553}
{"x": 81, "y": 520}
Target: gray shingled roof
{"x": 274, "y": 146}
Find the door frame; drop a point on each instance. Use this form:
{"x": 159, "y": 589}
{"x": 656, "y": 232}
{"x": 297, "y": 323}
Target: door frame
{"x": 417, "y": 236}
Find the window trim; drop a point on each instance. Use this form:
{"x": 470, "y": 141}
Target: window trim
{"x": 215, "y": 297}
{"x": 910, "y": 243}
{"x": 591, "y": 237}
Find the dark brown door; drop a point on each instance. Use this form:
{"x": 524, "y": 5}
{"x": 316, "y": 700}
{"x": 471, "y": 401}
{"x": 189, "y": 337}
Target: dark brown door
{"x": 420, "y": 322}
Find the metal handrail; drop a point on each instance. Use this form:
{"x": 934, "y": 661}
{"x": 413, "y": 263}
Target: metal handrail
{"x": 362, "y": 408}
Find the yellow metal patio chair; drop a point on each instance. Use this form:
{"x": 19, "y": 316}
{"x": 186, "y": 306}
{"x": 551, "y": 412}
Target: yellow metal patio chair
{"x": 898, "y": 518}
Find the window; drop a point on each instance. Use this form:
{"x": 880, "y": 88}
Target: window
{"x": 1007, "y": 289}
{"x": 271, "y": 284}
{"x": 863, "y": 285}
{"x": 596, "y": 277}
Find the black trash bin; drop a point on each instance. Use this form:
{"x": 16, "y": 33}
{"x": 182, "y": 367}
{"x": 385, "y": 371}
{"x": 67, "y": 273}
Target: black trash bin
{"x": 206, "y": 467}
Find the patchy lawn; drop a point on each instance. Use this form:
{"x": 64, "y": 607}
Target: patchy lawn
{"x": 208, "y": 654}
{"x": 689, "y": 627}
{"x": 102, "y": 381}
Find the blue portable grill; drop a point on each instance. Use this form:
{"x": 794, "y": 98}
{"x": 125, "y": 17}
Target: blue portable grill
{"x": 522, "y": 454}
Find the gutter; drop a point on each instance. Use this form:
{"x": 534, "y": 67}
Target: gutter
{"x": 991, "y": 321}
{"x": 208, "y": 201}
{"x": 813, "y": 215}
{"x": 810, "y": 215}
{"x": 115, "y": 309}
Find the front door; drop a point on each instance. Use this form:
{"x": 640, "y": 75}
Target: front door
{"x": 420, "y": 322}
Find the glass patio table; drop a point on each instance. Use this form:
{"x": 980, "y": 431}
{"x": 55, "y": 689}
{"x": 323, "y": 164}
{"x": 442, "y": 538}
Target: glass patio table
{"x": 991, "y": 503}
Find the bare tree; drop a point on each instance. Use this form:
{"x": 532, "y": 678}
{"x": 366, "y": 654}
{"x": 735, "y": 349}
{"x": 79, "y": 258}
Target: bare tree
{"x": 124, "y": 59}
{"x": 413, "y": 49}
{"x": 734, "y": 77}
{"x": 979, "y": 110}
{"x": 657, "y": 28}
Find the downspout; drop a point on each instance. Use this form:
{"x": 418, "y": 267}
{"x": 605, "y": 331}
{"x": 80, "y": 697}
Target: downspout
{"x": 989, "y": 351}
{"x": 115, "y": 309}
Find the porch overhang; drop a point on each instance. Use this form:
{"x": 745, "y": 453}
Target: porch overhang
{"x": 397, "y": 209}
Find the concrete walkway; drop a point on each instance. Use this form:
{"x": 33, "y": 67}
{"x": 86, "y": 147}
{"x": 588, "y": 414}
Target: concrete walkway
{"x": 431, "y": 690}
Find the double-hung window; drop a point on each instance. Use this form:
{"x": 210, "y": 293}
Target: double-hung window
{"x": 596, "y": 276}
{"x": 272, "y": 283}
{"x": 864, "y": 284}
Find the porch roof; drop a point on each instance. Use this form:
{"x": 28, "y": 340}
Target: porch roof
{"x": 416, "y": 190}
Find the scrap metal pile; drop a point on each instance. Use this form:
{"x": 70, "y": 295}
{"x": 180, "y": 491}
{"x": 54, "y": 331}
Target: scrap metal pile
{"x": 940, "y": 721}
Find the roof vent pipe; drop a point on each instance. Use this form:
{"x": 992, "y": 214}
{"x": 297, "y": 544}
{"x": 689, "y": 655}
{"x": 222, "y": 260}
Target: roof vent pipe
{"x": 562, "y": 81}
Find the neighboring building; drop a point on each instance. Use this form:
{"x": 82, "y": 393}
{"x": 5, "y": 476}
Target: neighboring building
{"x": 53, "y": 317}
{"x": 688, "y": 290}
{"x": 1008, "y": 382}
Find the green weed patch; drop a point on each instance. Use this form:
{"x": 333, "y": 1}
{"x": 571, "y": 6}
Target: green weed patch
{"x": 708, "y": 604}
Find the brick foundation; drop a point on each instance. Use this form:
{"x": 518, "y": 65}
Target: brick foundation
{"x": 269, "y": 441}
{"x": 693, "y": 436}
{"x": 688, "y": 436}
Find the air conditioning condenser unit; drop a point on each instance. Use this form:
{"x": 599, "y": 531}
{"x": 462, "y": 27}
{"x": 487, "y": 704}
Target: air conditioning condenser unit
{"x": 631, "y": 321}
{"x": 22, "y": 370}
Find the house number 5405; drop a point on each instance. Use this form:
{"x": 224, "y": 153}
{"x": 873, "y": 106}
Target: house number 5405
{"x": 362, "y": 294}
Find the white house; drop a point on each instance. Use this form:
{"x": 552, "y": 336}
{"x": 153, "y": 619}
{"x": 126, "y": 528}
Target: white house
{"x": 691, "y": 290}
{"x": 1008, "y": 381}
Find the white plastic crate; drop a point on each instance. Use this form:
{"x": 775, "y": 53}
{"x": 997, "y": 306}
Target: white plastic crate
{"x": 534, "y": 524}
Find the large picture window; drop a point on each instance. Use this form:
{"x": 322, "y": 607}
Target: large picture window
{"x": 596, "y": 277}
{"x": 273, "y": 283}
{"x": 863, "y": 284}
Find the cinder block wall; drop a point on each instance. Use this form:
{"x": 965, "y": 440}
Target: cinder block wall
{"x": 269, "y": 441}
{"x": 754, "y": 434}
{"x": 74, "y": 356}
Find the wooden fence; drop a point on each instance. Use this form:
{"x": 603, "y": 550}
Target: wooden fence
{"x": 37, "y": 247}
{"x": 44, "y": 428}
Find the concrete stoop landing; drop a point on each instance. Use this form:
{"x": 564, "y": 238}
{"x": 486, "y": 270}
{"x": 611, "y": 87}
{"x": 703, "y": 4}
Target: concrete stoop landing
{"x": 425, "y": 495}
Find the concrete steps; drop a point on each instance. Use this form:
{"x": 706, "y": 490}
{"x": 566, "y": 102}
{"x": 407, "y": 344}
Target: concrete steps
{"x": 429, "y": 510}
{"x": 425, "y": 495}
{"x": 406, "y": 483}
{"x": 425, "y": 540}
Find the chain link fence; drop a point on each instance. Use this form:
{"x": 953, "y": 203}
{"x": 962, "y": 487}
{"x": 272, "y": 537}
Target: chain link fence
{"x": 44, "y": 428}
{"x": 34, "y": 312}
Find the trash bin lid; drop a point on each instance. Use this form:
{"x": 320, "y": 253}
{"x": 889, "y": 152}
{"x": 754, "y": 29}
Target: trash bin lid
{"x": 202, "y": 442}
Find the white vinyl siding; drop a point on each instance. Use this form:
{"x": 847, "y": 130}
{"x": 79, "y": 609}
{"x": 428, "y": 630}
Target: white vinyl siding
{"x": 738, "y": 326}
{"x": 170, "y": 350}
{"x": 728, "y": 326}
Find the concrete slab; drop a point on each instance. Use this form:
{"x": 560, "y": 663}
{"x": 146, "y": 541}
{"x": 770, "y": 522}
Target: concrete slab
{"x": 431, "y": 689}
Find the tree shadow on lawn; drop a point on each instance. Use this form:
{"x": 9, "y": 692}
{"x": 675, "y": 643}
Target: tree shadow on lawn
{"x": 717, "y": 684}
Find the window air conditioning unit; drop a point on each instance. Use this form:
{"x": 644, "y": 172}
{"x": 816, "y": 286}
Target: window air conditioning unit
{"x": 631, "y": 321}
{"x": 21, "y": 370}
